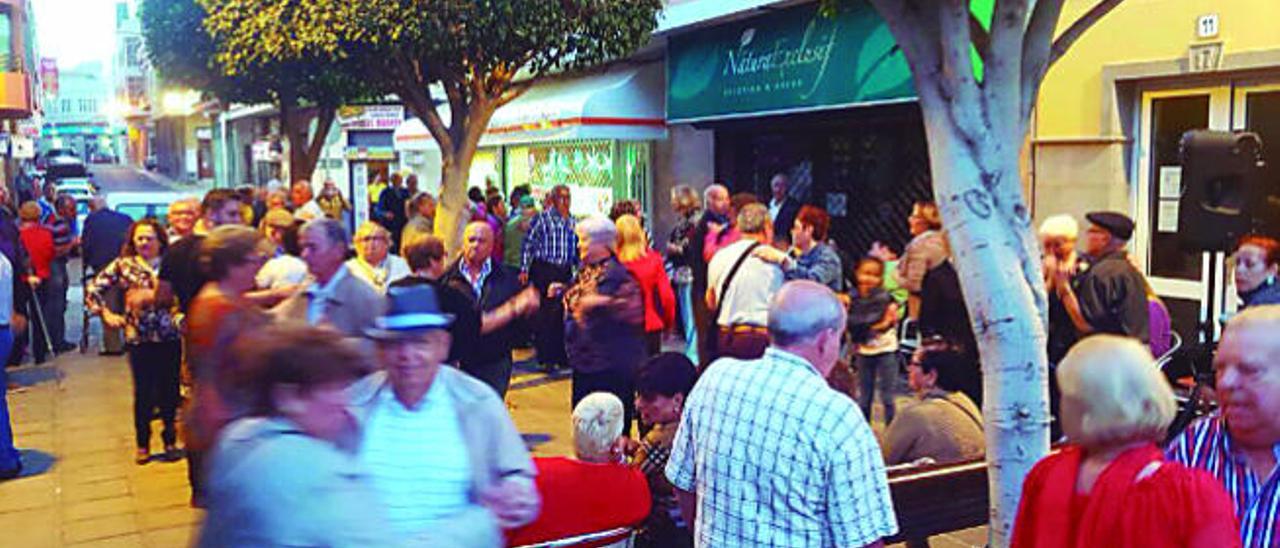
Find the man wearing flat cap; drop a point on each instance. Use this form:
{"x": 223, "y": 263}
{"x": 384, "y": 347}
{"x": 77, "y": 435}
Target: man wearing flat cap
{"x": 1109, "y": 295}
{"x": 439, "y": 446}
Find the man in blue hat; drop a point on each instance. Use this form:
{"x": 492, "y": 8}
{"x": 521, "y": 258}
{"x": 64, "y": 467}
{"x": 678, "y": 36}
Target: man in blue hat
{"x": 438, "y": 444}
{"x": 1109, "y": 296}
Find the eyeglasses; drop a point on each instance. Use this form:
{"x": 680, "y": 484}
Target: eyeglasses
{"x": 366, "y": 239}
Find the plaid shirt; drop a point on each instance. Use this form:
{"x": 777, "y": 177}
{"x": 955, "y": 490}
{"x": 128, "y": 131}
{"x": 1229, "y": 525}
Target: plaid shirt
{"x": 1207, "y": 445}
{"x": 551, "y": 239}
{"x": 777, "y": 458}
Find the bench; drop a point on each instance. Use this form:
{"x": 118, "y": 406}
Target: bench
{"x": 935, "y": 499}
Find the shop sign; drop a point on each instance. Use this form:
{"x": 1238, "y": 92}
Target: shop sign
{"x": 22, "y": 147}
{"x": 265, "y": 151}
{"x": 365, "y": 117}
{"x": 790, "y": 59}
{"x": 370, "y": 153}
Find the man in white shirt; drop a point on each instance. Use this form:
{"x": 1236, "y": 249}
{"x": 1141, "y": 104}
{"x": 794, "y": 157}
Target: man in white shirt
{"x": 767, "y": 454}
{"x": 374, "y": 262}
{"x": 302, "y": 197}
{"x": 744, "y": 305}
{"x": 439, "y": 446}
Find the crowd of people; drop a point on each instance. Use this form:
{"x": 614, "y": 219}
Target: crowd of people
{"x": 349, "y": 390}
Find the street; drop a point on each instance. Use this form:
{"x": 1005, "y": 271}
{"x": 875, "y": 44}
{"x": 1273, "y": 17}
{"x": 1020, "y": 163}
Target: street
{"x": 112, "y": 177}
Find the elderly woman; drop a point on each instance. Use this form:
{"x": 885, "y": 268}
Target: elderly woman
{"x": 681, "y": 258}
{"x": 332, "y": 202}
{"x": 1257, "y": 259}
{"x": 231, "y": 256}
{"x": 285, "y": 476}
{"x": 604, "y": 319}
{"x": 283, "y": 268}
{"x": 942, "y": 423}
{"x": 1111, "y": 485}
{"x": 813, "y": 259}
{"x": 373, "y": 262}
{"x": 645, "y": 265}
{"x": 595, "y": 492}
{"x": 927, "y": 249}
{"x": 37, "y": 242}
{"x": 152, "y": 336}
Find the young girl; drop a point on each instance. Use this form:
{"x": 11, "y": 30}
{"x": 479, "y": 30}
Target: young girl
{"x": 873, "y": 318}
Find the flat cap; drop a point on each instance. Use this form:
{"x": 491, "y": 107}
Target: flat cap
{"x": 1118, "y": 224}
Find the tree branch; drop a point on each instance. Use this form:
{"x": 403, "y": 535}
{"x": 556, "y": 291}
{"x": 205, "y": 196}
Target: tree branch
{"x": 516, "y": 89}
{"x": 1035, "y": 52}
{"x": 1078, "y": 28}
{"x": 914, "y": 31}
{"x": 1001, "y": 85}
{"x": 324, "y": 121}
{"x": 957, "y": 81}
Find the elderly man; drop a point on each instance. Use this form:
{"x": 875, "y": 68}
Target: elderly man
{"x": 65, "y": 242}
{"x": 740, "y": 286}
{"x": 332, "y": 294}
{"x": 301, "y": 198}
{"x": 716, "y": 214}
{"x": 391, "y": 210}
{"x": 182, "y": 217}
{"x": 439, "y": 446}
{"x": 604, "y": 324}
{"x": 494, "y": 289}
{"x": 374, "y": 262}
{"x": 180, "y": 274}
{"x": 1240, "y": 444}
{"x": 548, "y": 256}
{"x": 768, "y": 454}
{"x": 104, "y": 233}
{"x": 1110, "y": 296}
{"x": 782, "y": 209}
{"x": 332, "y": 202}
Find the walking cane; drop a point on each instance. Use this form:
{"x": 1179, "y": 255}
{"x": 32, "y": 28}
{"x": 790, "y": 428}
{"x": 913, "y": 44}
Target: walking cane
{"x": 39, "y": 316}
{"x": 84, "y": 308}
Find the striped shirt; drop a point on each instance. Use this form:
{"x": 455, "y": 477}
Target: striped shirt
{"x": 551, "y": 239}
{"x": 1207, "y": 445}
{"x": 417, "y": 460}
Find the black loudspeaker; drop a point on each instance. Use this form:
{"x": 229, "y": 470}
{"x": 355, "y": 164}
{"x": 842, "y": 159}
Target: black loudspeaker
{"x": 1223, "y": 195}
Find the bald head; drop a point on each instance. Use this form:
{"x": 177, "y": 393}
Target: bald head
{"x": 1247, "y": 368}
{"x": 806, "y": 318}
{"x": 716, "y": 198}
{"x": 477, "y": 243}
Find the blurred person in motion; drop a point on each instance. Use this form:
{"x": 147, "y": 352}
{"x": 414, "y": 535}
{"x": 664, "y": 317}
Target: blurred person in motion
{"x": 645, "y": 265}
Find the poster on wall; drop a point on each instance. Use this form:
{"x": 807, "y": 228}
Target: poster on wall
{"x": 360, "y": 191}
{"x": 588, "y": 201}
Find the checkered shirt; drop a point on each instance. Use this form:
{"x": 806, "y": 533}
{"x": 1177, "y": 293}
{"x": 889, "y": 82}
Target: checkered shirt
{"x": 551, "y": 238}
{"x": 777, "y": 458}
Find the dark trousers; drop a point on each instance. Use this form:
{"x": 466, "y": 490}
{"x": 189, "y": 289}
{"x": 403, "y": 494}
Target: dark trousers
{"x": 653, "y": 342}
{"x": 620, "y": 383}
{"x": 743, "y": 345}
{"x": 877, "y": 372}
{"x": 55, "y": 309}
{"x": 705, "y": 324}
{"x": 548, "y": 324}
{"x": 195, "y": 476}
{"x": 155, "y": 386}
{"x": 496, "y": 374}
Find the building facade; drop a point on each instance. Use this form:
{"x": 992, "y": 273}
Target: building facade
{"x": 1112, "y": 111}
{"x": 76, "y": 114}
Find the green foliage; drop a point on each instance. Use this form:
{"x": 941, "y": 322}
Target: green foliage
{"x": 483, "y": 43}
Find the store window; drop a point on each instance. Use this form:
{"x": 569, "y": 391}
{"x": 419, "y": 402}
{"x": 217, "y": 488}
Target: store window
{"x": 597, "y": 172}
{"x": 8, "y": 61}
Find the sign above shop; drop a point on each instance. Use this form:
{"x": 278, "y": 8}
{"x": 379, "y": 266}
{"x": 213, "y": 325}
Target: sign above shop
{"x": 788, "y": 60}
{"x": 1204, "y": 57}
{"x": 371, "y": 117}
{"x": 370, "y": 153}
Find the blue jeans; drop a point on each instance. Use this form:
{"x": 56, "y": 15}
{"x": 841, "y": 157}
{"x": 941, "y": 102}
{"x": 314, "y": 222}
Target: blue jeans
{"x": 877, "y": 372}
{"x": 8, "y": 454}
{"x": 684, "y": 294}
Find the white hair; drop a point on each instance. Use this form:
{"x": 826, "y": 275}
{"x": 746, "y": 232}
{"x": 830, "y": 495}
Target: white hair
{"x": 597, "y": 423}
{"x": 1062, "y": 225}
{"x": 707, "y": 192}
{"x": 1123, "y": 397}
{"x": 599, "y": 229}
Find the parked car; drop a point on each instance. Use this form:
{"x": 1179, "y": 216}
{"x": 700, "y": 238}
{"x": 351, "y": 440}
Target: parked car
{"x": 101, "y": 157}
{"x": 77, "y": 187}
{"x": 57, "y": 171}
{"x": 57, "y": 156}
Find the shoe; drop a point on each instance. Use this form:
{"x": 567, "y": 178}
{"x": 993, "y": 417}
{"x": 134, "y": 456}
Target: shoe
{"x": 11, "y": 473}
{"x": 111, "y": 352}
{"x": 65, "y": 347}
{"x": 142, "y": 456}
{"x": 172, "y": 454}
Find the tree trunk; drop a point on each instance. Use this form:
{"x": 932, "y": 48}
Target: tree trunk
{"x": 453, "y": 209}
{"x": 979, "y": 192}
{"x": 304, "y": 147}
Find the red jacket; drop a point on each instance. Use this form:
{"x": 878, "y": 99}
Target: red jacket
{"x": 581, "y": 497}
{"x": 659, "y": 299}
{"x": 38, "y": 241}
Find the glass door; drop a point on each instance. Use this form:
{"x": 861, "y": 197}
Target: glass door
{"x": 1256, "y": 107}
{"x": 1176, "y": 274}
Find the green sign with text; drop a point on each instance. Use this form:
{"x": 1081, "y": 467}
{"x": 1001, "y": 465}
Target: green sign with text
{"x": 791, "y": 59}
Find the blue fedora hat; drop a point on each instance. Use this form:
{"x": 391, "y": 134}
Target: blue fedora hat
{"x": 411, "y": 310}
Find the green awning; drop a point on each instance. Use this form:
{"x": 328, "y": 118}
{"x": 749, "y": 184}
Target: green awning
{"x": 790, "y": 60}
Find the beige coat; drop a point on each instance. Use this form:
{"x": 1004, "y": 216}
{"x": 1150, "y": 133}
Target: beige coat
{"x": 352, "y": 309}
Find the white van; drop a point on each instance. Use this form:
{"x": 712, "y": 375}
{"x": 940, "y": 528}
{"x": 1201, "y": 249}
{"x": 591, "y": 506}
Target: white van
{"x": 140, "y": 205}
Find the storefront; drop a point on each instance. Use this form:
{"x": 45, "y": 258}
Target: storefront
{"x": 592, "y": 133}
{"x": 827, "y": 101}
{"x": 367, "y": 131}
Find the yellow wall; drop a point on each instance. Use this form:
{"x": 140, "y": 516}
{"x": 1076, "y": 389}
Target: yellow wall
{"x": 1071, "y": 99}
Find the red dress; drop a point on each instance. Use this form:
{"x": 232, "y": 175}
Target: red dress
{"x": 659, "y": 298}
{"x": 581, "y": 497}
{"x": 1129, "y": 505}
